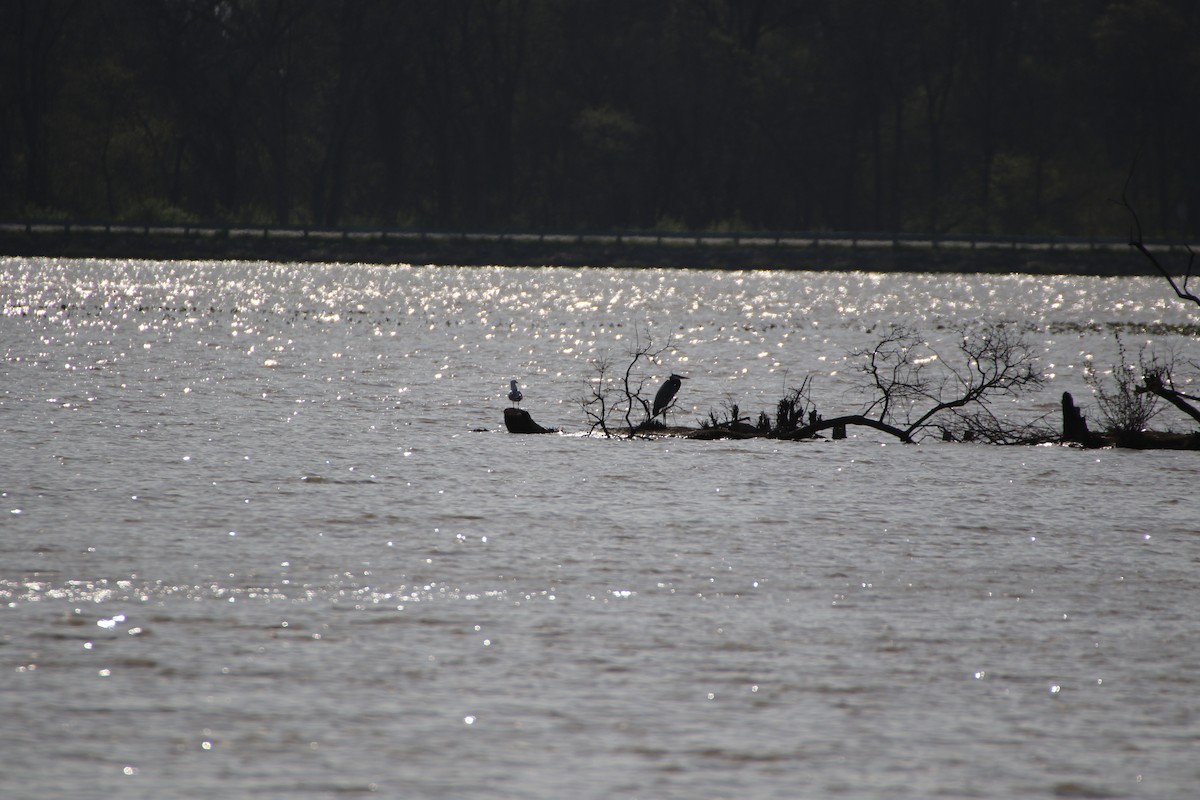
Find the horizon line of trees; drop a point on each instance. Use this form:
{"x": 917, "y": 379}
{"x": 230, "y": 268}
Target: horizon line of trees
{"x": 910, "y": 116}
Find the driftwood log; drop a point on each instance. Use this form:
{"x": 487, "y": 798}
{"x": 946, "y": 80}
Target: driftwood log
{"x": 517, "y": 420}
{"x": 733, "y": 430}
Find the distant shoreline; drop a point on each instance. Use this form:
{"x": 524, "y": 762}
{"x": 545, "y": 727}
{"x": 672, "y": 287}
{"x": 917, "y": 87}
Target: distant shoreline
{"x": 668, "y": 251}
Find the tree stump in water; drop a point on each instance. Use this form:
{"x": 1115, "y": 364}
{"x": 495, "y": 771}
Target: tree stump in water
{"x": 1075, "y": 427}
{"x": 517, "y": 420}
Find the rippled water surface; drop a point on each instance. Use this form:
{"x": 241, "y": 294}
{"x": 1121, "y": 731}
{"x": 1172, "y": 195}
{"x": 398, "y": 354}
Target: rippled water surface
{"x": 261, "y": 534}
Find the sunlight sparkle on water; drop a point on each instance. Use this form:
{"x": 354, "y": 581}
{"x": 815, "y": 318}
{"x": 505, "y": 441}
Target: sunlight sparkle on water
{"x": 345, "y": 422}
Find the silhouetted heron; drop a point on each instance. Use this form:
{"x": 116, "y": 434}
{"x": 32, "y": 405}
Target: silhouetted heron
{"x": 666, "y": 393}
{"x": 514, "y": 392}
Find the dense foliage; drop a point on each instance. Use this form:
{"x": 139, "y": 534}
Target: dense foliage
{"x": 931, "y": 116}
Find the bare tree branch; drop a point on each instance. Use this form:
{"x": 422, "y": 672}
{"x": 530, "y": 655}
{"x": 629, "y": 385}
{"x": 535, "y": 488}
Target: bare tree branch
{"x": 997, "y": 364}
{"x": 598, "y": 405}
{"x": 907, "y": 371}
{"x": 1136, "y": 240}
{"x": 595, "y": 404}
{"x": 1156, "y": 383}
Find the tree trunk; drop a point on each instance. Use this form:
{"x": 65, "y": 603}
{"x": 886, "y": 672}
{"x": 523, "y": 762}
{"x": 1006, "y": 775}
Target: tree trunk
{"x": 1075, "y": 427}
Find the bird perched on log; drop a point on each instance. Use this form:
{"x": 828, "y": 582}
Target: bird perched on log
{"x": 514, "y": 392}
{"x": 666, "y": 393}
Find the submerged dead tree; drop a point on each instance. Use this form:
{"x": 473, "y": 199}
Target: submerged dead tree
{"x": 1128, "y": 399}
{"x": 1158, "y": 379}
{"x": 914, "y": 389}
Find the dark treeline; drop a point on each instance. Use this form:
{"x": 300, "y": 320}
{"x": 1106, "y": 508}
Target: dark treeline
{"x": 924, "y": 116}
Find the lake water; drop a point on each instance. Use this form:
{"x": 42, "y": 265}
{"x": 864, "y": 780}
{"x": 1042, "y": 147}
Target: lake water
{"x": 253, "y": 543}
